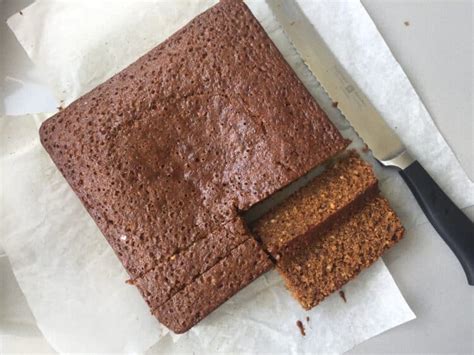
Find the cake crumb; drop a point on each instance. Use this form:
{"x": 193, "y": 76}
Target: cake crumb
{"x": 292, "y": 23}
{"x": 21, "y": 13}
{"x": 307, "y": 318}
{"x": 343, "y": 296}
{"x": 300, "y": 325}
{"x": 365, "y": 149}
{"x": 406, "y": 23}
{"x": 335, "y": 103}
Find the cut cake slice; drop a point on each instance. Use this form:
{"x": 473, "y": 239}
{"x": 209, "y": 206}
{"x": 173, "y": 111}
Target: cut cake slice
{"x": 320, "y": 264}
{"x": 326, "y": 197}
{"x": 328, "y": 231}
{"x": 172, "y": 275}
{"x": 187, "y": 307}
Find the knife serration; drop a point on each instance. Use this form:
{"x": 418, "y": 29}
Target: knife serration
{"x": 341, "y": 88}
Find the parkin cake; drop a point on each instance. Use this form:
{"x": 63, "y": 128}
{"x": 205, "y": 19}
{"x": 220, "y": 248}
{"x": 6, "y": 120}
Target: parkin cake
{"x": 165, "y": 154}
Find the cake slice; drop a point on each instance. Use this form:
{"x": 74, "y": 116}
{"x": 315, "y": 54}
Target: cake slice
{"x": 186, "y": 308}
{"x": 328, "y": 231}
{"x": 168, "y": 277}
{"x": 320, "y": 264}
{"x": 340, "y": 187}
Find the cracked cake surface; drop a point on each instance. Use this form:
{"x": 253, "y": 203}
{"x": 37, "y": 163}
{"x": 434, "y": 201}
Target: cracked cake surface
{"x": 165, "y": 154}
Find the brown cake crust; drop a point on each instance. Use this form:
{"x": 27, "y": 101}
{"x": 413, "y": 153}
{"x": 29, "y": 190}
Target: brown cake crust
{"x": 338, "y": 188}
{"x": 214, "y": 287}
{"x": 168, "y": 151}
{"x": 316, "y": 266}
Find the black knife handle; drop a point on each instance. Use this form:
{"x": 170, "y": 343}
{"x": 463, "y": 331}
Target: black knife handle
{"x": 449, "y": 221}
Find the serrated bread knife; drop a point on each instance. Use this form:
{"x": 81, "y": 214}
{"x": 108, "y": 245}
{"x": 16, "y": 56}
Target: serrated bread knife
{"x": 449, "y": 221}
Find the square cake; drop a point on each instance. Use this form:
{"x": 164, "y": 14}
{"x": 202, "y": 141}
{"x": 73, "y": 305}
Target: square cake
{"x": 167, "y": 153}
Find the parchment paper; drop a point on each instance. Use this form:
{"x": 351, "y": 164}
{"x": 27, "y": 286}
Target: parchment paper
{"x": 71, "y": 279}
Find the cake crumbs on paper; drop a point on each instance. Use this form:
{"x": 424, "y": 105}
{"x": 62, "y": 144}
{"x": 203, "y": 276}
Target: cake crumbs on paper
{"x": 335, "y": 103}
{"x": 307, "y": 319}
{"x": 300, "y": 325}
{"x": 406, "y": 23}
{"x": 343, "y": 296}
{"x": 20, "y": 12}
{"x": 365, "y": 149}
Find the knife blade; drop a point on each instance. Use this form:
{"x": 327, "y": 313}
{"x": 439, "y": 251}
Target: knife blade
{"x": 449, "y": 221}
{"x": 341, "y": 88}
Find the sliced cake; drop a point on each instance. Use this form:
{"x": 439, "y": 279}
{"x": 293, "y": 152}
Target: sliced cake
{"x": 167, "y": 152}
{"x": 326, "y": 197}
{"x": 215, "y": 286}
{"x": 172, "y": 275}
{"x": 320, "y": 264}
{"x": 328, "y": 231}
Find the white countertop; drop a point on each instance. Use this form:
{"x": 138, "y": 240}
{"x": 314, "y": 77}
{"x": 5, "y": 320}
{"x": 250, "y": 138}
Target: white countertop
{"x": 436, "y": 51}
